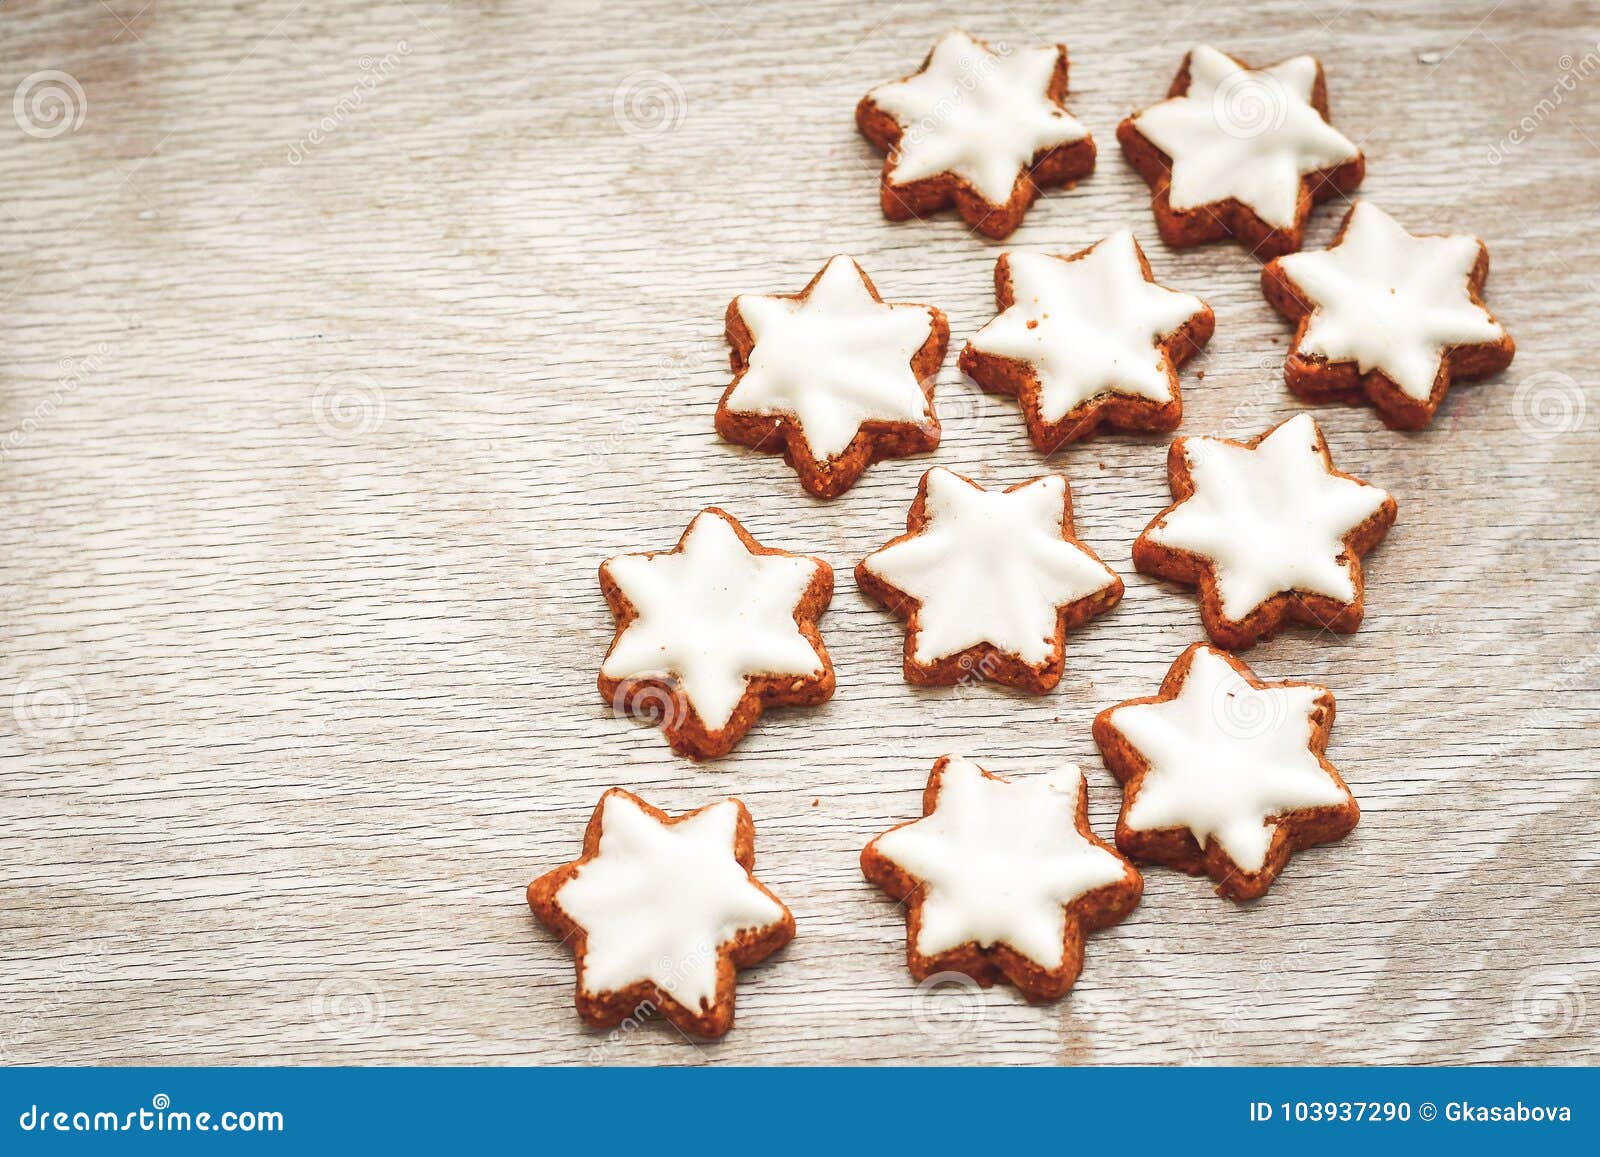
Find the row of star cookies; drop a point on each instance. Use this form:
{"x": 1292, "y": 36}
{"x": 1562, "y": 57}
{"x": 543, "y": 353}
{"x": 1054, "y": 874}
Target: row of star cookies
{"x": 1001, "y": 880}
{"x": 1383, "y": 316}
{"x": 834, "y": 378}
{"x": 720, "y": 627}
{"x": 1232, "y": 150}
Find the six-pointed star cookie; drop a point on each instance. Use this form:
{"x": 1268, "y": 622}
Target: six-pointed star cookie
{"x": 833, "y": 377}
{"x": 1086, "y": 340}
{"x": 1268, "y": 530}
{"x": 1388, "y": 317}
{"x": 662, "y": 912}
{"x": 1236, "y": 151}
{"x": 1001, "y": 880}
{"x": 982, "y": 129}
{"x": 712, "y": 631}
{"x": 989, "y": 582}
{"x": 1224, "y": 775}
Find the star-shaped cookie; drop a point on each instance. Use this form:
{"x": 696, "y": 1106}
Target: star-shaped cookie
{"x": 712, "y": 631}
{"x": 1268, "y": 530}
{"x": 833, "y": 377}
{"x": 1002, "y": 880}
{"x": 1223, "y": 775}
{"x": 980, "y": 128}
{"x": 662, "y": 912}
{"x": 988, "y": 582}
{"x": 1242, "y": 152}
{"x": 1387, "y": 317}
{"x": 1086, "y": 340}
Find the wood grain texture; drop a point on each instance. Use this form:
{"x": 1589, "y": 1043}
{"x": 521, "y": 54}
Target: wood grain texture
{"x": 342, "y": 341}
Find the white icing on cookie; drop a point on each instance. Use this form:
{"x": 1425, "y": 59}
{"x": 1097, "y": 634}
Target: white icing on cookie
{"x": 711, "y": 616}
{"x": 1390, "y": 301}
{"x": 978, "y": 114}
{"x": 660, "y": 900}
{"x": 1088, "y": 326}
{"x": 1225, "y": 757}
{"x": 1249, "y": 134}
{"x": 1271, "y": 519}
{"x": 1001, "y": 860}
{"x": 833, "y": 360}
{"x": 990, "y": 567}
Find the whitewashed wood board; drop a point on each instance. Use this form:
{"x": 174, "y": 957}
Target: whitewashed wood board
{"x": 342, "y": 342}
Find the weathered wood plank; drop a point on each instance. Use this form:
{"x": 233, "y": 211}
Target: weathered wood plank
{"x": 340, "y": 345}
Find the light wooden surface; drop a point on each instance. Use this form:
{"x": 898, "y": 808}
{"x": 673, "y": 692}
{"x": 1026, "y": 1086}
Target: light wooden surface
{"x": 342, "y": 342}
